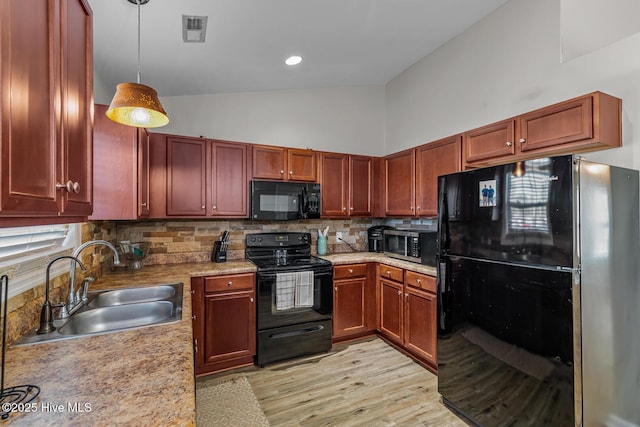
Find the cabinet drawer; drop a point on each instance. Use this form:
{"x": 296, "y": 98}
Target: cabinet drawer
{"x": 391, "y": 273}
{"x": 347, "y": 271}
{"x": 422, "y": 281}
{"x": 229, "y": 283}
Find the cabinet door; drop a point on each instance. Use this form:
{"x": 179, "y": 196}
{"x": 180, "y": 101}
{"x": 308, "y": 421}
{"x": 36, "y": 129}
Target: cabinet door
{"x": 229, "y": 182}
{"x": 30, "y": 149}
{"x": 229, "y": 326}
{"x": 186, "y": 176}
{"x": 333, "y": 181}
{"x": 77, "y": 97}
{"x": 399, "y": 187}
{"x": 432, "y": 160}
{"x": 115, "y": 173}
{"x": 490, "y": 142}
{"x": 562, "y": 123}
{"x": 391, "y": 310}
{"x": 268, "y": 162}
{"x": 349, "y": 316}
{"x": 143, "y": 172}
{"x": 360, "y": 185}
{"x": 302, "y": 165}
{"x": 420, "y": 323}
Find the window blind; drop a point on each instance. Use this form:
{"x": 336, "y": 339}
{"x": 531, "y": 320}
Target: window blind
{"x": 20, "y": 241}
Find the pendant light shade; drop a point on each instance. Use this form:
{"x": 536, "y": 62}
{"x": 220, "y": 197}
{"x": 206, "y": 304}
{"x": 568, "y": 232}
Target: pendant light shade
{"x": 135, "y": 104}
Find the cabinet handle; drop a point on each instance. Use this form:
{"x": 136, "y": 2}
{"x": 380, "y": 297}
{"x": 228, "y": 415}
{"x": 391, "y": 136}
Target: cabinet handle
{"x": 229, "y": 283}
{"x": 509, "y": 143}
{"x": 522, "y": 140}
{"x": 70, "y": 186}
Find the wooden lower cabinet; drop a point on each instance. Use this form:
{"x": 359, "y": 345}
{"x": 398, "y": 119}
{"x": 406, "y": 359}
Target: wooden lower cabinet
{"x": 224, "y": 321}
{"x": 354, "y": 305}
{"x": 408, "y": 311}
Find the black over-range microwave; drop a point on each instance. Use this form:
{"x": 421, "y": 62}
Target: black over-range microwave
{"x": 411, "y": 245}
{"x": 278, "y": 200}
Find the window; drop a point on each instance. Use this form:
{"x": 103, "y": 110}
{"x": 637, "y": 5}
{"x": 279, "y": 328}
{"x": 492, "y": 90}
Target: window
{"x": 26, "y": 251}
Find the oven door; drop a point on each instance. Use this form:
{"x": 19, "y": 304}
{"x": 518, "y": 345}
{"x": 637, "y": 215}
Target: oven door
{"x": 286, "y": 298}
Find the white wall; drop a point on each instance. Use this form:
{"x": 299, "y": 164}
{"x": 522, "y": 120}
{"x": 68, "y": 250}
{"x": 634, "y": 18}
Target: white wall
{"x": 345, "y": 119}
{"x": 507, "y": 64}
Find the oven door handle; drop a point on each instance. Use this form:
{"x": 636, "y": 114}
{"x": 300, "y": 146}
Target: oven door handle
{"x": 298, "y": 332}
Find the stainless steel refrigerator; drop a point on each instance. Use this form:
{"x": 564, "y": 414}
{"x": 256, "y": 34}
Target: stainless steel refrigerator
{"x": 539, "y": 302}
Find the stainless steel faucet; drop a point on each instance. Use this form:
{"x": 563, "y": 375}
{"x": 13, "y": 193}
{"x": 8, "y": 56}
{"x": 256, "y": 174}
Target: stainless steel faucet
{"x": 72, "y": 300}
{"x": 46, "y": 315}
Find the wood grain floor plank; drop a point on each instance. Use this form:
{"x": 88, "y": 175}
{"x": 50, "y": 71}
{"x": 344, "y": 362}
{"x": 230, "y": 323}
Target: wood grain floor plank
{"x": 364, "y": 383}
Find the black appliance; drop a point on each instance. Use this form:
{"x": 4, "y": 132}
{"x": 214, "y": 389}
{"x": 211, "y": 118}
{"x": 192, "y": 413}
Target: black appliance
{"x": 529, "y": 271}
{"x": 276, "y": 200}
{"x": 294, "y": 296}
{"x": 375, "y": 237}
{"x": 415, "y": 245}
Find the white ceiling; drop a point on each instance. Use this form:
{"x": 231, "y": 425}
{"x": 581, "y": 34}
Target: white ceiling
{"x": 343, "y": 42}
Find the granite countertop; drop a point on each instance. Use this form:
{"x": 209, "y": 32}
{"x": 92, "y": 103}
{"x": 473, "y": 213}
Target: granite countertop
{"x": 136, "y": 377}
{"x": 141, "y": 376}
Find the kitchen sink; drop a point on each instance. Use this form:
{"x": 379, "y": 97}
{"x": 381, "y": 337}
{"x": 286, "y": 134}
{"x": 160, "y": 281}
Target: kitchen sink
{"x": 116, "y": 310}
{"x": 118, "y": 317}
{"x": 133, "y": 295}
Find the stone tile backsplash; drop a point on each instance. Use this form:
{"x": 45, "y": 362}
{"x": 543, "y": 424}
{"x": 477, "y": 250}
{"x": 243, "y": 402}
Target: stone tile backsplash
{"x": 176, "y": 241}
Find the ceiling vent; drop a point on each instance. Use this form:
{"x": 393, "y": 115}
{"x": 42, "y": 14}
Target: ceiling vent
{"x": 194, "y": 28}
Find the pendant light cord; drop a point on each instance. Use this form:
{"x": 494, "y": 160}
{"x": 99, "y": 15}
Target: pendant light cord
{"x": 138, "y": 2}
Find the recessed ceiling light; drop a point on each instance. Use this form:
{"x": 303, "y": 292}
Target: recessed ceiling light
{"x": 293, "y": 60}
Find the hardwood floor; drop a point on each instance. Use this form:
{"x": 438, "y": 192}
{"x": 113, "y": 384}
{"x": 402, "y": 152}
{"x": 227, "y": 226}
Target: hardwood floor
{"x": 364, "y": 383}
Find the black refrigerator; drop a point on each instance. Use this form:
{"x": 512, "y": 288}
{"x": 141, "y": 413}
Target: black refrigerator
{"x": 538, "y": 295}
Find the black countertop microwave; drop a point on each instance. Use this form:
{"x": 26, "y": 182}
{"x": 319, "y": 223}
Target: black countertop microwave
{"x": 281, "y": 201}
{"x": 411, "y": 245}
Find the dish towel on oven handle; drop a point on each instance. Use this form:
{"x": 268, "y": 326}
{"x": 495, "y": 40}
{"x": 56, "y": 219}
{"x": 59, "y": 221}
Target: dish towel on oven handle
{"x": 294, "y": 290}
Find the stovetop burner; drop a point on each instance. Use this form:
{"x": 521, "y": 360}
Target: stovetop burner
{"x": 282, "y": 251}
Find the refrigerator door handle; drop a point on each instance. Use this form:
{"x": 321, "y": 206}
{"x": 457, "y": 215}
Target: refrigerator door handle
{"x": 441, "y": 289}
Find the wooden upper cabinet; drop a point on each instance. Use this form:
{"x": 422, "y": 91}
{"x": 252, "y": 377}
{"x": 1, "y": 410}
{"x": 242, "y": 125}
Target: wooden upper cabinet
{"x": 334, "y": 184}
{"x": 288, "y": 164}
{"x": 494, "y": 141}
{"x": 115, "y": 174}
{"x": 302, "y": 165}
{"x": 268, "y": 162}
{"x": 195, "y": 177}
{"x": 346, "y": 185}
{"x": 361, "y": 185}
{"x": 186, "y": 176}
{"x": 399, "y": 185}
{"x": 586, "y": 123}
{"x": 46, "y": 75}
{"x": 229, "y": 180}
{"x": 432, "y": 160}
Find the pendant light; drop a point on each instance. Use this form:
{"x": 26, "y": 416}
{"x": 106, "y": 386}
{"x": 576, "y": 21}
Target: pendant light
{"x": 135, "y": 104}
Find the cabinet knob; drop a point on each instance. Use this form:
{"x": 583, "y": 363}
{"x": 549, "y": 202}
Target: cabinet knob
{"x": 290, "y": 172}
{"x": 193, "y": 317}
{"x": 144, "y": 205}
{"x": 418, "y": 280}
{"x": 400, "y": 293}
{"x": 351, "y": 271}
{"x": 406, "y": 295}
{"x": 193, "y": 291}
{"x": 509, "y": 143}
{"x": 344, "y": 209}
{"x": 418, "y": 208}
{"x": 229, "y": 283}
{"x": 522, "y": 140}
{"x": 70, "y": 186}
{"x": 411, "y": 207}
{"x": 251, "y": 299}
{"x": 214, "y": 207}
{"x": 351, "y": 208}
{"x": 388, "y": 273}
{"x": 203, "y": 207}
{"x": 281, "y": 171}
{"x": 335, "y": 288}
